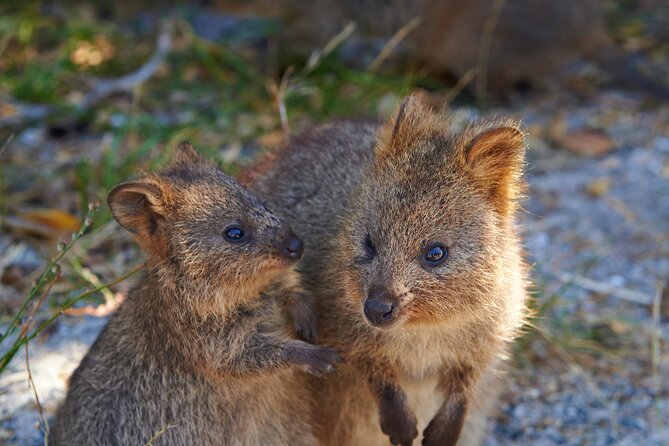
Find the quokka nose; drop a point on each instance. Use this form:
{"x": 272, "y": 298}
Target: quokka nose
{"x": 379, "y": 312}
{"x": 293, "y": 248}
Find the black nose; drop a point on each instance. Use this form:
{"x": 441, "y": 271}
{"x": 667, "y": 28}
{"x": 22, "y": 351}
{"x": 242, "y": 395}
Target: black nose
{"x": 379, "y": 312}
{"x": 293, "y": 248}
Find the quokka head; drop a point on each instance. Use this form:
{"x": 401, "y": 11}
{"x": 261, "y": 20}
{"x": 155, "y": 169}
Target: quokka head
{"x": 199, "y": 226}
{"x": 431, "y": 230}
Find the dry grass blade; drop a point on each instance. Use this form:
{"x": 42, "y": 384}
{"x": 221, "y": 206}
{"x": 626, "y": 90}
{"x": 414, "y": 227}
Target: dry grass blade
{"x": 6, "y": 143}
{"x": 40, "y": 408}
{"x": 318, "y": 55}
{"x": 655, "y": 348}
{"x": 392, "y": 43}
{"x": 279, "y": 93}
{"x": 604, "y": 288}
{"x": 484, "y": 50}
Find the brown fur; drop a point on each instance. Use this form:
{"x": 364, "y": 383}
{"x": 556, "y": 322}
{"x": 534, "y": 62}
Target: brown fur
{"x": 201, "y": 351}
{"x": 428, "y": 176}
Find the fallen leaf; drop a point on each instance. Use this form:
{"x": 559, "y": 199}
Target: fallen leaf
{"x": 586, "y": 142}
{"x": 46, "y": 223}
{"x": 54, "y": 218}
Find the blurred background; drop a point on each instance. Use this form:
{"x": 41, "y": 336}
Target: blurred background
{"x": 91, "y": 93}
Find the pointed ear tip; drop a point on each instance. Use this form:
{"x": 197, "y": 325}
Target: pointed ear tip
{"x": 511, "y": 130}
{"x": 134, "y": 187}
{"x": 186, "y": 153}
{"x": 185, "y": 145}
{"x": 414, "y": 99}
{"x": 112, "y": 196}
{"x": 409, "y": 105}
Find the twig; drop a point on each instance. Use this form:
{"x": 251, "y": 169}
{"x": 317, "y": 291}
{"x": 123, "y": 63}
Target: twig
{"x": 483, "y": 55}
{"x": 656, "y": 331}
{"x": 6, "y": 143}
{"x": 27, "y": 324}
{"x": 604, "y": 288}
{"x": 392, "y": 43}
{"x": 103, "y": 88}
{"x": 40, "y": 408}
{"x": 100, "y": 88}
{"x": 318, "y": 55}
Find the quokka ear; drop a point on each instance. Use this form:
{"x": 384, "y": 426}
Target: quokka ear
{"x": 137, "y": 206}
{"x": 496, "y": 158}
{"x": 186, "y": 154}
{"x": 414, "y": 119}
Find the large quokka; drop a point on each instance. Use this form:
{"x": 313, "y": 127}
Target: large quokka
{"x": 413, "y": 253}
{"x": 200, "y": 353}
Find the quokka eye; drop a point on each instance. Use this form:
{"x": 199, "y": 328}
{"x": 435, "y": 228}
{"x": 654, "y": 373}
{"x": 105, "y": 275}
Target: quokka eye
{"x": 234, "y": 234}
{"x": 370, "y": 249}
{"x": 435, "y": 254}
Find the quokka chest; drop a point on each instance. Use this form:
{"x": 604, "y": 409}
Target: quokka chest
{"x": 420, "y": 357}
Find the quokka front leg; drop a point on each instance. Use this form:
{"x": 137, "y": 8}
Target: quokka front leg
{"x": 446, "y": 426}
{"x": 301, "y": 308}
{"x": 397, "y": 419}
{"x": 264, "y": 352}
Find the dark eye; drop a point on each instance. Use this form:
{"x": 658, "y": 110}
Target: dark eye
{"x": 370, "y": 249}
{"x": 436, "y": 254}
{"x": 234, "y": 234}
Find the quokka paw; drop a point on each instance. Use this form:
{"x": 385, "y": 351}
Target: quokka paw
{"x": 306, "y": 323}
{"x": 446, "y": 426}
{"x": 316, "y": 359}
{"x": 397, "y": 420}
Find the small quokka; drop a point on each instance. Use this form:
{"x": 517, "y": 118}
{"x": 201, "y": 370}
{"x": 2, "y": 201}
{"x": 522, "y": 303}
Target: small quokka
{"x": 201, "y": 352}
{"x": 416, "y": 262}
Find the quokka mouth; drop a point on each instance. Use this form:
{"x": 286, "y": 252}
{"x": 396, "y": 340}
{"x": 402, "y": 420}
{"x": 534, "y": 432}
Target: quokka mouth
{"x": 279, "y": 261}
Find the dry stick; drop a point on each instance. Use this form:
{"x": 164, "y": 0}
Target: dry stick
{"x": 105, "y": 87}
{"x": 484, "y": 50}
{"x": 392, "y": 43}
{"x": 101, "y": 88}
{"x": 604, "y": 288}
